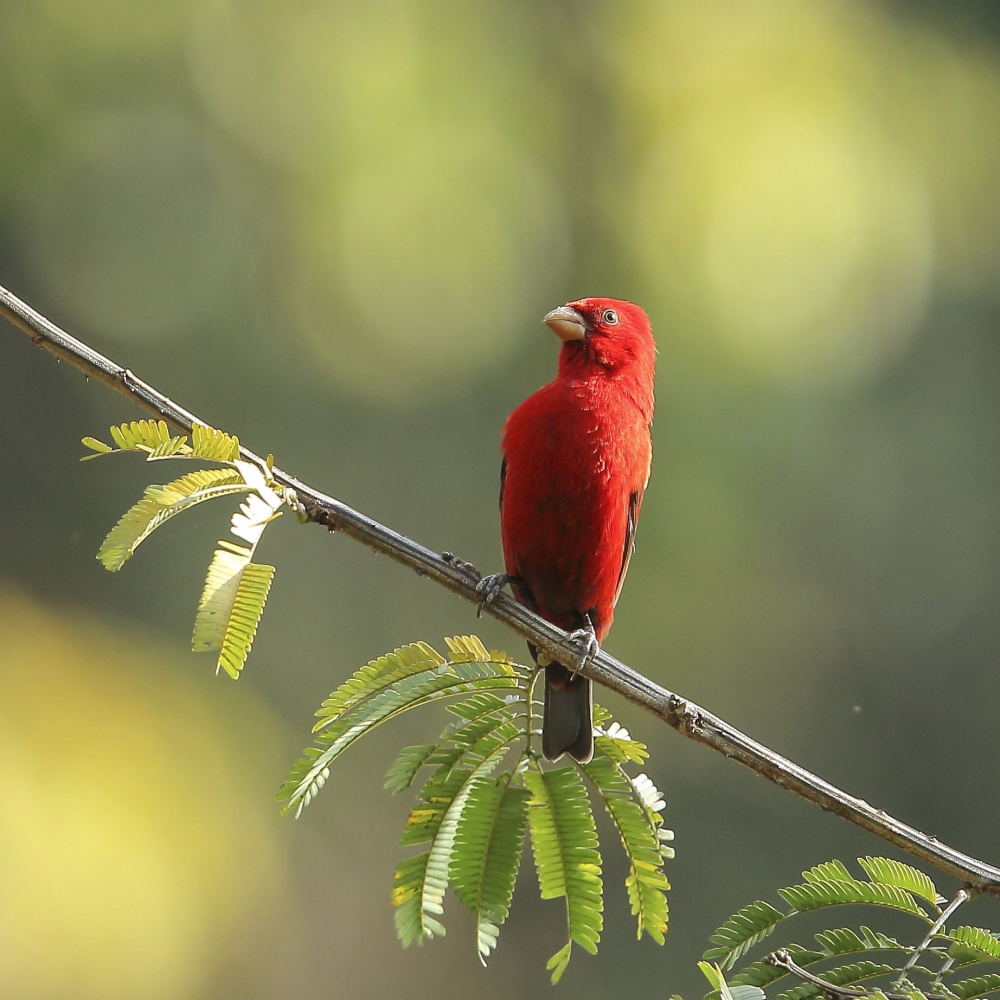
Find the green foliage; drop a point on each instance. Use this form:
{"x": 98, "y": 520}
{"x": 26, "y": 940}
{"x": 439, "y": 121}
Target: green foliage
{"x": 564, "y": 841}
{"x": 470, "y": 821}
{"x": 742, "y": 931}
{"x": 927, "y": 968}
{"x": 842, "y": 975}
{"x": 646, "y": 884}
{"x": 844, "y": 941}
{"x": 976, "y": 943}
{"x": 968, "y": 989}
{"x": 724, "y": 990}
{"x": 231, "y": 606}
{"x": 820, "y": 892}
{"x": 890, "y": 872}
{"x": 151, "y": 437}
{"x": 236, "y": 588}
{"x": 214, "y": 445}
{"x": 158, "y": 504}
{"x": 488, "y": 854}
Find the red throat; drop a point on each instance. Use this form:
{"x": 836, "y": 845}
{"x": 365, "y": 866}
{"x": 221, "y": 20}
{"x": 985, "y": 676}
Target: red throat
{"x": 623, "y": 350}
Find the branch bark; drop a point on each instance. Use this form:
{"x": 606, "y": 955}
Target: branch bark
{"x": 457, "y": 576}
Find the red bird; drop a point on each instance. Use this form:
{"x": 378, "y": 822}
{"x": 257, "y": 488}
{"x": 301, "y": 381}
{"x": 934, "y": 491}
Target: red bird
{"x": 576, "y": 461}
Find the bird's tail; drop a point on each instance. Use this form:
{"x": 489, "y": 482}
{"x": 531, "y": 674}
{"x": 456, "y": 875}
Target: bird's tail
{"x": 568, "y": 721}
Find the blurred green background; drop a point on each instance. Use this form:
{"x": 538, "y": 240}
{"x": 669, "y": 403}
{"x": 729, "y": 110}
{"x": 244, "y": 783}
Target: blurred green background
{"x": 333, "y": 228}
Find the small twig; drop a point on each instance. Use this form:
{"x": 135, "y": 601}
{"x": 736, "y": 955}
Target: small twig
{"x": 960, "y": 897}
{"x": 943, "y": 971}
{"x": 454, "y": 574}
{"x": 783, "y": 960}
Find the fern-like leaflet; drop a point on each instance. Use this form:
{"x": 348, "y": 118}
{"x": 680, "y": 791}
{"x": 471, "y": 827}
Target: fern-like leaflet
{"x": 926, "y": 969}
{"x": 159, "y": 504}
{"x": 489, "y": 839}
{"x": 564, "y": 841}
{"x": 646, "y": 884}
{"x": 472, "y": 814}
{"x": 236, "y": 588}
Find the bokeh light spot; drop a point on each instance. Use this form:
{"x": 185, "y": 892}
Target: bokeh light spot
{"x": 139, "y": 226}
{"x": 439, "y": 260}
{"x": 135, "y": 838}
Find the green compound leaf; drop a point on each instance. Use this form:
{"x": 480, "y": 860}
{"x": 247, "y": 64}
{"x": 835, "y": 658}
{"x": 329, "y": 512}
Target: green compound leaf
{"x": 96, "y": 446}
{"x": 646, "y": 884}
{"x": 405, "y": 767}
{"x": 419, "y": 889}
{"x": 422, "y": 822}
{"x": 841, "y": 941}
{"x": 472, "y": 824}
{"x": 969, "y": 989}
{"x": 419, "y": 688}
{"x": 614, "y": 740}
{"x": 844, "y": 941}
{"x": 568, "y": 863}
{"x": 231, "y": 606}
{"x": 727, "y": 991}
{"x": 458, "y": 744}
{"x": 214, "y": 445}
{"x": 829, "y": 871}
{"x": 487, "y": 854}
{"x": 151, "y": 437}
{"x": 890, "y": 872}
{"x": 480, "y": 704}
{"x": 140, "y": 435}
{"x": 974, "y": 942}
{"x": 377, "y": 675}
{"x": 820, "y": 892}
{"x": 742, "y": 931}
{"x": 470, "y": 649}
{"x": 412, "y": 923}
{"x": 159, "y": 504}
{"x": 845, "y": 975}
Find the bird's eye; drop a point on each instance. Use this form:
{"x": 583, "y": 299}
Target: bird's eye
{"x": 610, "y": 317}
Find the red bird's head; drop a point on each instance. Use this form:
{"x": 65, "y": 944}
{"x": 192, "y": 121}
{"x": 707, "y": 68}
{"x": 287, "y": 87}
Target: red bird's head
{"x": 608, "y": 334}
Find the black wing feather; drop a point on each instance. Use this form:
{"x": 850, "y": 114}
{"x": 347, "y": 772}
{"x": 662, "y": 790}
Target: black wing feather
{"x": 634, "y": 500}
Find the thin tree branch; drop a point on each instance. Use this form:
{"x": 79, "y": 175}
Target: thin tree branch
{"x": 783, "y": 960}
{"x": 960, "y": 897}
{"x": 459, "y": 577}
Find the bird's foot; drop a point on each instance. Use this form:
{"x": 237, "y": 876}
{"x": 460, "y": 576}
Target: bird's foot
{"x": 584, "y": 641}
{"x": 462, "y": 564}
{"x": 489, "y": 588}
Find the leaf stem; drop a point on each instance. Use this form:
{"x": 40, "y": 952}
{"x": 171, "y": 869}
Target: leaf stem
{"x": 960, "y": 897}
{"x": 529, "y": 730}
{"x": 783, "y": 960}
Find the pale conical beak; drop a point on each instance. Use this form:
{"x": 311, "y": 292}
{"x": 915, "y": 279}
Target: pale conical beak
{"x": 566, "y": 323}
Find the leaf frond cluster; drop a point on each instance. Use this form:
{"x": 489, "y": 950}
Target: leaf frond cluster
{"x": 236, "y": 588}
{"x": 928, "y": 968}
{"x": 485, "y": 790}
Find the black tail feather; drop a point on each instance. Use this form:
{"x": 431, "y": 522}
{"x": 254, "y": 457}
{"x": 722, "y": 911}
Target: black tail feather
{"x": 568, "y": 720}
